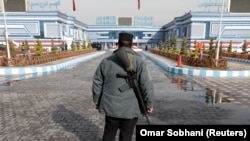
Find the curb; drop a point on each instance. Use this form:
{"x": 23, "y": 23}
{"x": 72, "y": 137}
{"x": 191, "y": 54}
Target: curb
{"x": 197, "y": 72}
{"x": 22, "y": 73}
{"x": 238, "y": 60}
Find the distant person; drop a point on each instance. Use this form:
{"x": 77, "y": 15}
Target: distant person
{"x": 120, "y": 106}
{"x": 62, "y": 46}
{"x": 146, "y": 48}
{"x": 23, "y": 48}
{"x": 66, "y": 46}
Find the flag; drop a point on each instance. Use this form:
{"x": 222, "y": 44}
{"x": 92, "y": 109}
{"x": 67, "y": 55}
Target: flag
{"x": 138, "y": 4}
{"x": 74, "y": 5}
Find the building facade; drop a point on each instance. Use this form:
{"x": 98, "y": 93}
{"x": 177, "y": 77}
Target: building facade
{"x": 202, "y": 26}
{"x": 45, "y": 25}
{"x": 33, "y": 25}
{"x": 143, "y": 35}
{"x": 194, "y": 26}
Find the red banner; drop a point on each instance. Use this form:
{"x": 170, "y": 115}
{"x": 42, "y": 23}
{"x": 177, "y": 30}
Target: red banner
{"x": 74, "y": 5}
{"x": 200, "y": 46}
{"x": 138, "y": 4}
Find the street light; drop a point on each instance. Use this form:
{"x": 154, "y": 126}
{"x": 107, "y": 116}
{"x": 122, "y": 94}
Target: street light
{"x": 5, "y": 33}
{"x": 136, "y": 39}
{"x": 219, "y": 36}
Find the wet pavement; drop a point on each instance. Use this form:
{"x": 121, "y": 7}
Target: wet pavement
{"x": 59, "y": 107}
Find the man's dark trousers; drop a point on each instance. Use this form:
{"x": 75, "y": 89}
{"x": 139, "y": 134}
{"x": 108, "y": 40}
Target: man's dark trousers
{"x": 126, "y": 127}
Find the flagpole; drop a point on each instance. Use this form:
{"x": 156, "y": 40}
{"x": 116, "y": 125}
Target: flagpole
{"x": 74, "y": 5}
{"x": 5, "y": 33}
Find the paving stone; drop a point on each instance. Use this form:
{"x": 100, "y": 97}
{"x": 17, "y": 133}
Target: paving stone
{"x": 58, "y": 106}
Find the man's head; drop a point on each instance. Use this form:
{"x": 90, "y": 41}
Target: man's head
{"x": 125, "y": 40}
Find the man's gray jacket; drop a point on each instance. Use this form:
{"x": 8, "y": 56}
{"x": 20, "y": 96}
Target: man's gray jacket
{"x": 105, "y": 88}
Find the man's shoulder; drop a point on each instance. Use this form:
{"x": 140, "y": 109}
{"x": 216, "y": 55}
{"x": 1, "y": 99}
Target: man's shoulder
{"x": 108, "y": 58}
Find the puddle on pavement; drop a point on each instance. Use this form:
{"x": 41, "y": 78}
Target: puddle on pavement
{"x": 8, "y": 83}
{"x": 208, "y": 95}
{"x": 10, "y": 80}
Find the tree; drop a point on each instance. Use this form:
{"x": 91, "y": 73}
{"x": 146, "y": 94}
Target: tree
{"x": 220, "y": 50}
{"x": 26, "y": 45}
{"x": 89, "y": 44}
{"x": 196, "y": 50}
{"x": 84, "y": 44}
{"x": 78, "y": 45}
{"x": 160, "y": 46}
{"x": 183, "y": 46}
{"x": 244, "y": 47}
{"x": 169, "y": 44}
{"x": 73, "y": 47}
{"x": 53, "y": 47}
{"x": 230, "y": 47}
{"x": 39, "y": 48}
{"x": 211, "y": 51}
{"x": 12, "y": 49}
{"x": 175, "y": 49}
{"x": 165, "y": 46}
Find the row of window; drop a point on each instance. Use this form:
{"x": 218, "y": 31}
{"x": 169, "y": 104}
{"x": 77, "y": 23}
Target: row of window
{"x": 115, "y": 35}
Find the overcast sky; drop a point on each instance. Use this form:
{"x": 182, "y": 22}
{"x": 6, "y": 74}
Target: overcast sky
{"x": 163, "y": 11}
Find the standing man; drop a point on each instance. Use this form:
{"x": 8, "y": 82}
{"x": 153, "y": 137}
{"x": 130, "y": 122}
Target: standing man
{"x": 23, "y": 48}
{"x": 114, "y": 98}
{"x": 62, "y": 46}
{"x": 66, "y": 46}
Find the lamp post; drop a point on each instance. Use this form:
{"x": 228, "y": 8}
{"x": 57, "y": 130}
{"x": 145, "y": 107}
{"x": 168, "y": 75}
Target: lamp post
{"x": 219, "y": 35}
{"x": 136, "y": 39}
{"x": 5, "y": 33}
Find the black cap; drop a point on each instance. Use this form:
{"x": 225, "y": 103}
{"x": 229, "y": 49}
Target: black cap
{"x": 126, "y": 37}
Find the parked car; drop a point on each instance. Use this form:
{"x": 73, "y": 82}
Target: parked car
{"x": 2, "y": 46}
{"x": 97, "y": 46}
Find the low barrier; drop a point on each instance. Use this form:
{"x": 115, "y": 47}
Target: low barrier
{"x": 27, "y": 60}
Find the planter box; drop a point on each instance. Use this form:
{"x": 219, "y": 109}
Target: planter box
{"x": 205, "y": 62}
{"x": 25, "y": 60}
